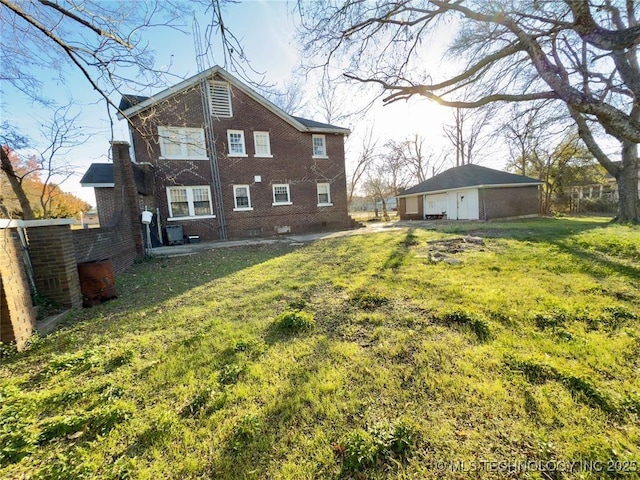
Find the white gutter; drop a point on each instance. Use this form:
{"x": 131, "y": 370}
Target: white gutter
{"x": 98, "y": 185}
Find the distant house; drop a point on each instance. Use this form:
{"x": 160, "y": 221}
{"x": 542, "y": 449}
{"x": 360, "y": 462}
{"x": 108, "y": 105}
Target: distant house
{"x": 225, "y": 162}
{"x": 471, "y": 192}
{"x": 590, "y": 195}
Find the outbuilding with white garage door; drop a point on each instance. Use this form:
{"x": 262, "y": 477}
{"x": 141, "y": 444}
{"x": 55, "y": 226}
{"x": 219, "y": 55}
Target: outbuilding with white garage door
{"x": 471, "y": 192}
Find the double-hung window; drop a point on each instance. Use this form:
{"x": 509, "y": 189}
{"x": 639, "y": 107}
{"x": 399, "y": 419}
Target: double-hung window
{"x": 189, "y": 202}
{"x": 182, "y": 143}
{"x": 324, "y": 195}
{"x": 236, "y": 143}
{"x": 319, "y": 146}
{"x": 242, "y": 198}
{"x": 261, "y": 141}
{"x": 281, "y": 194}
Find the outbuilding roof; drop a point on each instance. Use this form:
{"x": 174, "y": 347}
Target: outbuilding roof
{"x": 133, "y": 104}
{"x": 469, "y": 176}
{"x": 98, "y": 175}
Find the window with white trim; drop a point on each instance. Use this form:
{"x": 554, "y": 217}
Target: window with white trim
{"x": 261, "y": 141}
{"x": 189, "y": 202}
{"x": 319, "y": 146}
{"x": 182, "y": 143}
{"x": 281, "y": 195}
{"x": 236, "y": 143}
{"x": 241, "y": 198}
{"x": 324, "y": 195}
{"x": 220, "y": 99}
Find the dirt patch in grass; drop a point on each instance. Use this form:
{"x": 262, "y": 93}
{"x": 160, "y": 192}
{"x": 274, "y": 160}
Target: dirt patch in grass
{"x": 444, "y": 250}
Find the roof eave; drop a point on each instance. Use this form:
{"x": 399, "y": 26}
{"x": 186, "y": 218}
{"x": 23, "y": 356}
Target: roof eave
{"x": 168, "y": 93}
{"x": 497, "y": 185}
{"x": 237, "y": 84}
{"x": 337, "y": 131}
{"x": 98, "y": 185}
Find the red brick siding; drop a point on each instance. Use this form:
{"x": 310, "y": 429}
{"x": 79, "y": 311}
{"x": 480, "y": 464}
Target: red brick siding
{"x": 105, "y": 204}
{"x": 120, "y": 237}
{"x": 402, "y": 209}
{"x": 508, "y": 202}
{"x": 17, "y": 316}
{"x": 292, "y": 164}
{"x": 103, "y": 243}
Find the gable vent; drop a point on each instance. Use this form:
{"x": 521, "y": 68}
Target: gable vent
{"x": 220, "y": 99}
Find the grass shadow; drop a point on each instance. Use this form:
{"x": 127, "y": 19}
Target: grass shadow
{"x": 598, "y": 264}
{"x": 398, "y": 256}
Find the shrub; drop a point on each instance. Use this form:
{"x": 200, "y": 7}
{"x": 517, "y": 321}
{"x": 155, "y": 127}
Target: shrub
{"x": 197, "y": 403}
{"x": 359, "y": 451}
{"x": 295, "y": 321}
{"x": 244, "y": 432}
{"x": 381, "y": 443}
{"x": 230, "y": 373}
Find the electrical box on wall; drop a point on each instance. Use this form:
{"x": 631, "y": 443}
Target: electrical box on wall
{"x": 257, "y": 178}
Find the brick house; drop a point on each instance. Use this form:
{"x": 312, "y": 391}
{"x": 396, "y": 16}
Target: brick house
{"x": 230, "y": 164}
{"x": 471, "y": 192}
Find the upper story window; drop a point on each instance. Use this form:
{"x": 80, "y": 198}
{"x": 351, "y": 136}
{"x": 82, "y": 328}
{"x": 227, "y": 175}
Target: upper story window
{"x": 189, "y": 202}
{"x": 182, "y": 143}
{"x": 236, "y": 143}
{"x": 319, "y": 146}
{"x": 324, "y": 195}
{"x": 262, "y": 144}
{"x": 242, "y": 197}
{"x": 220, "y": 99}
{"x": 281, "y": 195}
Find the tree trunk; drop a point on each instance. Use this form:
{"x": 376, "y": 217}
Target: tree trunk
{"x": 16, "y": 186}
{"x": 628, "y": 202}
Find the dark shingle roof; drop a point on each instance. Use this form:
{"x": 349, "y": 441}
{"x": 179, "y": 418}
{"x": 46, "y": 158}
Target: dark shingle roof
{"x": 98, "y": 174}
{"x": 313, "y": 124}
{"x": 128, "y": 101}
{"x": 469, "y": 176}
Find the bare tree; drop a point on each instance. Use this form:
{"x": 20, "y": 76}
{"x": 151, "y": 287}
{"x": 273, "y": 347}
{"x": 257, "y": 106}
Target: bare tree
{"x": 418, "y": 160}
{"x": 47, "y": 169}
{"x": 523, "y": 132}
{"x": 290, "y": 97}
{"x": 52, "y": 166}
{"x": 386, "y": 177}
{"x": 379, "y": 189}
{"x": 366, "y": 157}
{"x": 580, "y": 53}
{"x": 469, "y": 134}
{"x": 105, "y": 42}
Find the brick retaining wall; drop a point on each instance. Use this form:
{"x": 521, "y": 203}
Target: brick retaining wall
{"x": 17, "y": 315}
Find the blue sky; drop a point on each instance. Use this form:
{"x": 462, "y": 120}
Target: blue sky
{"x": 266, "y": 30}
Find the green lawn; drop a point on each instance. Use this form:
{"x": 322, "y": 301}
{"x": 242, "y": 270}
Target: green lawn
{"x": 381, "y": 356}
